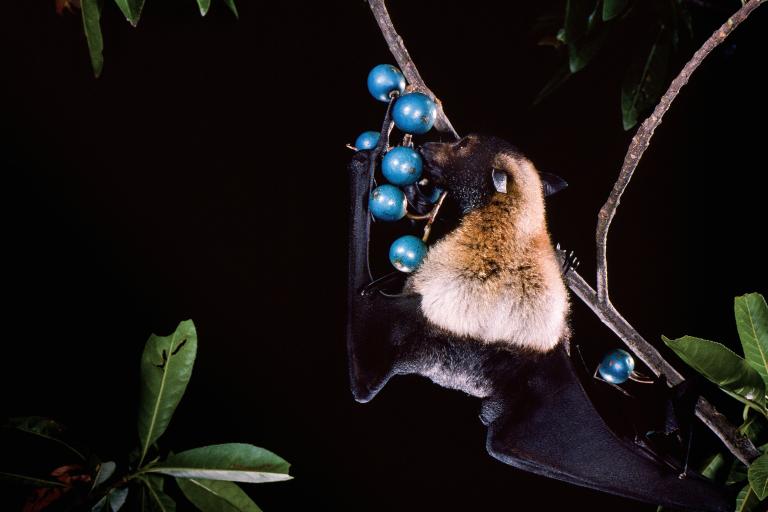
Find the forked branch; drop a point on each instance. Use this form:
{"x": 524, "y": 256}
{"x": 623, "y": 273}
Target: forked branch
{"x": 598, "y": 301}
{"x": 643, "y": 136}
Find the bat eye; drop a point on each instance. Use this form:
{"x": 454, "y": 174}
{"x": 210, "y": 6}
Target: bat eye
{"x": 461, "y": 144}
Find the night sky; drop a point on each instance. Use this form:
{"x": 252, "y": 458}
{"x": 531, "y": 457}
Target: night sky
{"x": 203, "y": 176}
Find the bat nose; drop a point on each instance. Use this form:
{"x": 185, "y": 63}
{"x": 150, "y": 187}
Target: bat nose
{"x": 432, "y": 169}
{"x": 428, "y": 150}
{"x": 428, "y": 153}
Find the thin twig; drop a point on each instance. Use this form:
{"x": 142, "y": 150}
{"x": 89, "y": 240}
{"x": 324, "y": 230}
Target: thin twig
{"x": 643, "y": 136}
{"x": 433, "y": 216}
{"x": 736, "y": 443}
{"x": 397, "y": 47}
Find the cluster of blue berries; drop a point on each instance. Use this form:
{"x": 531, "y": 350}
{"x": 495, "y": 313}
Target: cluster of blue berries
{"x": 412, "y": 113}
{"x": 415, "y": 113}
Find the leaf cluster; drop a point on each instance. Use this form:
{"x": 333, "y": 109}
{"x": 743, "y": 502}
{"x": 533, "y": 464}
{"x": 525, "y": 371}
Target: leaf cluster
{"x": 206, "y": 476}
{"x": 131, "y": 9}
{"x": 589, "y": 26}
{"x": 745, "y": 379}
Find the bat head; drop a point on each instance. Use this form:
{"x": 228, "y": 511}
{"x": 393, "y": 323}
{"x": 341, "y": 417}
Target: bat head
{"x": 476, "y": 167}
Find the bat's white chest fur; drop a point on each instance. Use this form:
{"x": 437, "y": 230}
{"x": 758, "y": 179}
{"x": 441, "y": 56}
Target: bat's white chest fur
{"x": 496, "y": 278}
{"x": 516, "y": 307}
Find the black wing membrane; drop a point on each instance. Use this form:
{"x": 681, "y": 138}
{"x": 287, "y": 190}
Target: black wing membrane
{"x": 539, "y": 417}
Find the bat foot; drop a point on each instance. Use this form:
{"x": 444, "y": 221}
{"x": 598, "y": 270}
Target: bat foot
{"x": 568, "y": 259}
{"x": 561, "y": 435}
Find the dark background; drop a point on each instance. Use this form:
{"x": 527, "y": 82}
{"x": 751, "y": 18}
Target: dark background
{"x": 203, "y": 176}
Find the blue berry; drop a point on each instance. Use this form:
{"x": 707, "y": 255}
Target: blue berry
{"x": 414, "y": 112}
{"x": 367, "y": 140}
{"x": 387, "y": 203}
{"x": 385, "y": 79}
{"x": 616, "y": 366}
{"x": 407, "y": 252}
{"x": 402, "y": 166}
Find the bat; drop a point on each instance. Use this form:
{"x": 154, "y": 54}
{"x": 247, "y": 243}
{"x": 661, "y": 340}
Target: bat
{"x": 486, "y": 313}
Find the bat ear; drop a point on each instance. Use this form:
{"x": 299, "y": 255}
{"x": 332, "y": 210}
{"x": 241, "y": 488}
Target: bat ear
{"x": 552, "y": 183}
{"x": 499, "y": 180}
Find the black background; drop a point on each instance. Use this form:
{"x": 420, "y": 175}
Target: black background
{"x": 203, "y": 176}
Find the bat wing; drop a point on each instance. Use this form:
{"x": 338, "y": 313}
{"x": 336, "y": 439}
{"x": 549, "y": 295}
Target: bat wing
{"x": 552, "y": 429}
{"x": 539, "y": 417}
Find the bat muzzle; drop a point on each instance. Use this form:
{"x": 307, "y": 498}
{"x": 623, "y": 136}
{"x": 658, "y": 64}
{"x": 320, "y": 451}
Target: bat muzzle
{"x": 431, "y": 154}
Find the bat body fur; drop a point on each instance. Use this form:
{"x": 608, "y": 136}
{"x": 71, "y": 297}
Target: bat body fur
{"x": 495, "y": 278}
{"x": 487, "y": 314}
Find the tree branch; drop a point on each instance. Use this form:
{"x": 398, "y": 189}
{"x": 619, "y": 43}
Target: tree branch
{"x": 399, "y": 51}
{"x": 642, "y": 139}
{"x": 736, "y": 443}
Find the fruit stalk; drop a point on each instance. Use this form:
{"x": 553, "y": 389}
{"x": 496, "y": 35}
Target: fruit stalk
{"x": 397, "y": 47}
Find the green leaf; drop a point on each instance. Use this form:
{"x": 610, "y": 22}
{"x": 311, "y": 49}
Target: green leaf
{"x": 723, "y": 367}
{"x": 112, "y": 502}
{"x": 117, "y": 498}
{"x": 29, "y": 480}
{"x": 204, "y": 6}
{"x": 103, "y": 472}
{"x": 44, "y": 428}
{"x": 131, "y": 9}
{"x": 577, "y": 18}
{"x": 585, "y": 41}
{"x": 747, "y": 500}
{"x": 166, "y": 367}
{"x": 234, "y": 461}
{"x": 758, "y": 476}
{"x": 645, "y": 79}
{"x": 752, "y": 426}
{"x": 581, "y": 53}
{"x": 232, "y": 7}
{"x": 752, "y": 322}
{"x": 216, "y": 495}
{"x": 738, "y": 473}
{"x": 713, "y": 466}
{"x": 612, "y": 8}
{"x": 91, "y": 11}
{"x": 153, "y": 495}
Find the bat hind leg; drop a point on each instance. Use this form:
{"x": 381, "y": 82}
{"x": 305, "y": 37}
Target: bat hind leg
{"x": 561, "y": 435}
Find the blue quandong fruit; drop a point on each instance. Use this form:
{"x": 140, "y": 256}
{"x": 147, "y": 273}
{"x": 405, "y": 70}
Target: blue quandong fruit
{"x": 385, "y": 81}
{"x": 407, "y": 252}
{"x": 414, "y": 112}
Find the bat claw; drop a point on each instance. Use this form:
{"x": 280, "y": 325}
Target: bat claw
{"x": 569, "y": 259}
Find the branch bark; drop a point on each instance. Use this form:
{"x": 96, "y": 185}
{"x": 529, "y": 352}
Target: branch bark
{"x": 403, "y": 58}
{"x": 598, "y": 301}
{"x": 737, "y": 444}
{"x": 642, "y": 139}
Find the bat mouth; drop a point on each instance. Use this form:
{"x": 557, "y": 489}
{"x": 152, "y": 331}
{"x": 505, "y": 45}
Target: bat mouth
{"x": 431, "y": 169}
